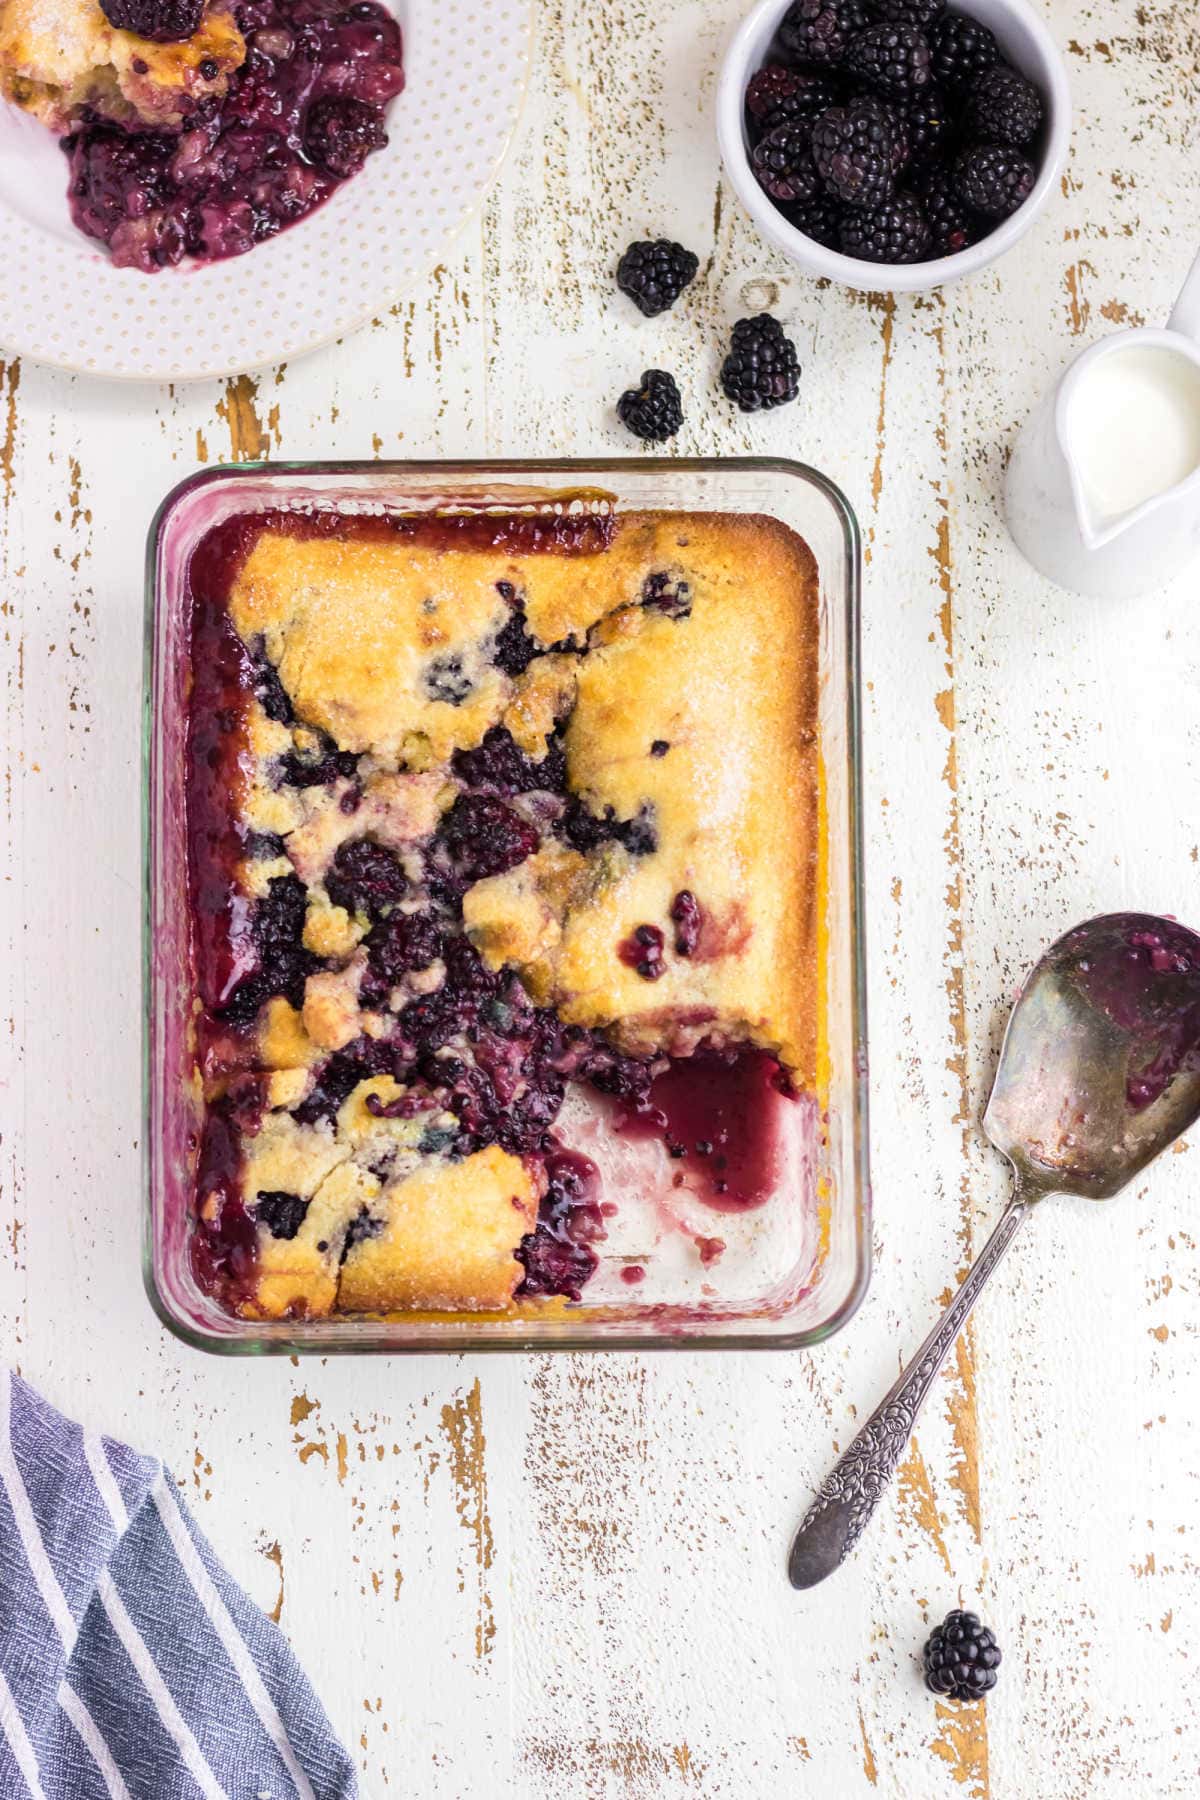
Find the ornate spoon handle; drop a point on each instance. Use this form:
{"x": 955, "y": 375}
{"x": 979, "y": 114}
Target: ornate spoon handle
{"x": 850, "y": 1492}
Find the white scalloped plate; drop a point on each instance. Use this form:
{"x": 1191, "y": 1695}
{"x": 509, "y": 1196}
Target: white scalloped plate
{"x": 62, "y": 301}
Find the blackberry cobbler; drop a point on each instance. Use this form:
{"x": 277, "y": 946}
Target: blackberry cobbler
{"x": 480, "y": 808}
{"x": 197, "y": 128}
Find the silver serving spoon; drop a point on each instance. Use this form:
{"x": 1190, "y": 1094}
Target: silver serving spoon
{"x": 1099, "y": 1071}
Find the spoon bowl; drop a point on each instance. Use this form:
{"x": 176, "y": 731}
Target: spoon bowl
{"x": 1099, "y": 1072}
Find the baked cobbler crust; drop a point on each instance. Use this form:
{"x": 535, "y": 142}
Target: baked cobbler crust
{"x": 57, "y": 56}
{"x": 502, "y": 817}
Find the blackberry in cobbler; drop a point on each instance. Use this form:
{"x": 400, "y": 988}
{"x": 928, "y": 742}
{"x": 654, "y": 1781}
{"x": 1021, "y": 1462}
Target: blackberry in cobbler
{"x": 366, "y": 878}
{"x": 300, "y": 116}
{"x": 484, "y": 836}
{"x": 163, "y": 21}
{"x": 994, "y": 179}
{"x": 783, "y": 163}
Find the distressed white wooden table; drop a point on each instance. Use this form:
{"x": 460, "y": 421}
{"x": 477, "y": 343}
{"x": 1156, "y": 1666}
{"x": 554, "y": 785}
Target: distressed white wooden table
{"x": 564, "y": 1576}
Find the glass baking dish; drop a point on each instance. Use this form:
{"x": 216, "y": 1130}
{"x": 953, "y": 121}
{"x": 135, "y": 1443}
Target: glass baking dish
{"x": 796, "y": 1269}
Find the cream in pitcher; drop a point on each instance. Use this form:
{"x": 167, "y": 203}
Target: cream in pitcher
{"x": 1103, "y": 488}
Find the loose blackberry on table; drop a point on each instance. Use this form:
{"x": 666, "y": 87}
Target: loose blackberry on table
{"x": 654, "y": 272}
{"x": 961, "y": 1658}
{"x": 653, "y": 411}
{"x": 762, "y": 369}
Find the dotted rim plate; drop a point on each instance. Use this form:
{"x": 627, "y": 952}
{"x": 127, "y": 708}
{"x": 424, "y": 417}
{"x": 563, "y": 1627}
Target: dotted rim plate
{"x": 62, "y": 301}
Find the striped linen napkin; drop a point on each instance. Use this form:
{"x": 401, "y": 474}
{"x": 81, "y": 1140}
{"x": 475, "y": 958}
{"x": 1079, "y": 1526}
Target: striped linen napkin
{"x": 131, "y": 1666}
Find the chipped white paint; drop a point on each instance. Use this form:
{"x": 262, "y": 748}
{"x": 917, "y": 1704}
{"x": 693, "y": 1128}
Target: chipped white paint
{"x": 564, "y": 1577}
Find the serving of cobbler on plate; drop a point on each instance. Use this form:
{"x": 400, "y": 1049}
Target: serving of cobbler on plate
{"x": 195, "y": 129}
{"x": 487, "y": 815}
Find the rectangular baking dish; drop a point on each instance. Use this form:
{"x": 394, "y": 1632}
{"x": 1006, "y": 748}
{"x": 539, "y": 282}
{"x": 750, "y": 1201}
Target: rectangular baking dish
{"x": 800, "y": 1268}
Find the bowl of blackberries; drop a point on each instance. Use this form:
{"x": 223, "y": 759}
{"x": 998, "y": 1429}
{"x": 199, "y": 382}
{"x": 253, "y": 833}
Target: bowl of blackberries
{"x": 893, "y": 144}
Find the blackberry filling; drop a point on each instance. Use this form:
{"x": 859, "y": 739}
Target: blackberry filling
{"x": 300, "y": 116}
{"x": 558, "y": 1257}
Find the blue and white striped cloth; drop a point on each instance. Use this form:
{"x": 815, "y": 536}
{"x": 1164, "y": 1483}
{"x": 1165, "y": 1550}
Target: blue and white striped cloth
{"x": 131, "y": 1666}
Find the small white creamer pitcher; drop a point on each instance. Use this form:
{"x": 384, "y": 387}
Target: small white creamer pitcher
{"x": 1103, "y": 487}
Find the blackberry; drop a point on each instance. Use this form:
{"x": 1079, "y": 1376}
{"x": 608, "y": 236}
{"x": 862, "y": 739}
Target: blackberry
{"x": 895, "y": 60}
{"x": 819, "y": 219}
{"x": 654, "y": 272}
{"x": 817, "y": 31}
{"x": 762, "y": 369}
{"x": 920, "y": 13}
{"x": 366, "y": 877}
{"x": 653, "y": 411}
{"x": 928, "y": 127}
{"x": 485, "y": 837}
{"x": 1003, "y": 107}
{"x": 961, "y": 1658}
{"x": 805, "y": 103}
{"x": 341, "y": 132}
{"x": 774, "y": 85}
{"x": 896, "y": 232}
{"x": 962, "y": 50}
{"x": 994, "y": 179}
{"x": 783, "y": 163}
{"x": 163, "y": 21}
{"x": 951, "y": 223}
{"x": 855, "y": 149}
{"x": 282, "y": 1213}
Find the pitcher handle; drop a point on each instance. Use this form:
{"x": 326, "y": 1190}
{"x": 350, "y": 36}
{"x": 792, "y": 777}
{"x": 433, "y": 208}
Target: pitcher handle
{"x": 1185, "y": 314}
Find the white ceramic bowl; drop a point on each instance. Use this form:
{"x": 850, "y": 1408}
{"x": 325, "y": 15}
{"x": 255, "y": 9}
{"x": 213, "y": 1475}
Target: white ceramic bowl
{"x": 1027, "y": 44}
